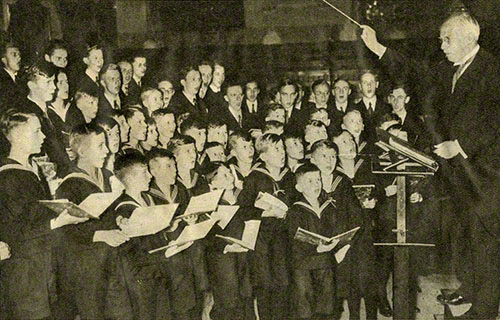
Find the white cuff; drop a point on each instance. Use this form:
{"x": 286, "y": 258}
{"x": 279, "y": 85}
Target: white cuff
{"x": 460, "y": 150}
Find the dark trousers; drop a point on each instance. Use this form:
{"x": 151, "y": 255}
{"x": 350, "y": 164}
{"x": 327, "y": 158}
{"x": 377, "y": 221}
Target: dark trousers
{"x": 231, "y": 288}
{"x": 270, "y": 274}
{"x": 480, "y": 281}
{"x": 312, "y": 292}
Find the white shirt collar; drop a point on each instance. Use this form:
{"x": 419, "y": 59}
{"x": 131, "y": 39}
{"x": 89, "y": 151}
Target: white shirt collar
{"x": 189, "y": 97}
{"x": 237, "y": 114}
{"x": 42, "y": 106}
{"x": 137, "y": 80}
{"x": 11, "y": 74}
{"x": 372, "y": 100}
{"x": 111, "y": 99}
{"x": 341, "y": 107}
{"x": 252, "y": 106}
{"x": 468, "y": 56}
{"x": 214, "y": 88}
{"x": 94, "y": 76}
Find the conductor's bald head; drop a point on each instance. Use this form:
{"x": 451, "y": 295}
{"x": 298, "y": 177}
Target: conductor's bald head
{"x": 459, "y": 35}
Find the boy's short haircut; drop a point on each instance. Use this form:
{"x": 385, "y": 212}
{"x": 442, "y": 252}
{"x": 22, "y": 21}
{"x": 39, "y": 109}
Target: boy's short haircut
{"x": 231, "y": 83}
{"x": 82, "y": 92}
{"x": 273, "y": 107}
{"x": 92, "y": 45}
{"x": 252, "y": 80}
{"x": 342, "y": 78}
{"x": 106, "y": 123}
{"x": 191, "y": 122}
{"x": 325, "y": 143}
{"x": 146, "y": 92}
{"x": 273, "y": 124}
{"x": 150, "y": 121}
{"x": 342, "y": 132}
{"x": 263, "y": 142}
{"x": 40, "y": 68}
{"x": 130, "y": 112}
{"x": 6, "y": 44}
{"x": 237, "y": 136}
{"x": 184, "y": 71}
{"x": 161, "y": 113}
{"x": 320, "y": 82}
{"x": 108, "y": 67}
{"x": 370, "y": 71}
{"x": 54, "y": 45}
{"x": 307, "y": 167}
{"x": 400, "y": 84}
{"x": 347, "y": 114}
{"x": 179, "y": 141}
{"x": 13, "y": 118}
{"x": 217, "y": 62}
{"x": 205, "y": 63}
{"x": 213, "y": 144}
{"x": 211, "y": 168}
{"x": 157, "y": 153}
{"x": 78, "y": 134}
{"x": 215, "y": 123}
{"x": 315, "y": 110}
{"x": 124, "y": 162}
{"x": 315, "y": 123}
{"x": 137, "y": 54}
{"x": 293, "y": 134}
{"x": 288, "y": 82}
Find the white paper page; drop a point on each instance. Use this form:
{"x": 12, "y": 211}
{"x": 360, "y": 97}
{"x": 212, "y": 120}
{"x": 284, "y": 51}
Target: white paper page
{"x": 206, "y": 202}
{"x": 150, "y": 220}
{"x": 196, "y": 231}
{"x": 340, "y": 255}
{"x": 224, "y": 214}
{"x": 250, "y": 233}
{"x": 96, "y": 203}
{"x": 266, "y": 201}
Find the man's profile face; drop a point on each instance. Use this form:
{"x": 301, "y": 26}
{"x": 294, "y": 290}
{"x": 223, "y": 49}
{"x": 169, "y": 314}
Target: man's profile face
{"x": 44, "y": 87}
{"x": 453, "y": 42}
{"x": 139, "y": 67}
{"x": 206, "y": 74}
{"x": 59, "y": 58}
{"x": 12, "y": 59}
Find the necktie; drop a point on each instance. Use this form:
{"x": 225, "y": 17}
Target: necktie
{"x": 370, "y": 109}
{"x": 239, "y": 120}
{"x": 457, "y": 75}
{"x": 116, "y": 105}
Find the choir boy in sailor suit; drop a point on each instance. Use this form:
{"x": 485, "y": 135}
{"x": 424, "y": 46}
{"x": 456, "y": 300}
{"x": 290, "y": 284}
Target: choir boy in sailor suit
{"x": 141, "y": 271}
{"x": 87, "y": 259}
{"x": 241, "y": 163}
{"x": 352, "y": 122}
{"x": 184, "y": 150}
{"x": 312, "y": 268}
{"x": 27, "y": 278}
{"x": 269, "y": 262}
{"x": 294, "y": 147}
{"x": 358, "y": 172}
{"x": 185, "y": 270}
{"x": 228, "y": 263}
{"x": 165, "y": 122}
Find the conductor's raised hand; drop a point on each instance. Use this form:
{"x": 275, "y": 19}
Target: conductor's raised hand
{"x": 369, "y": 37}
{"x": 64, "y": 218}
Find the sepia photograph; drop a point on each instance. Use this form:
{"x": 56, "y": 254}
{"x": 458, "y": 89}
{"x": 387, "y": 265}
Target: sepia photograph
{"x": 249, "y": 160}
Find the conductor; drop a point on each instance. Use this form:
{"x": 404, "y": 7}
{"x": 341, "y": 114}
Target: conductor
{"x": 461, "y": 104}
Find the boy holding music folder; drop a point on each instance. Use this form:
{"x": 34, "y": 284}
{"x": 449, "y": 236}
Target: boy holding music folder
{"x": 184, "y": 266}
{"x": 84, "y": 250}
{"x": 227, "y": 249}
{"x": 311, "y": 225}
{"x": 269, "y": 260}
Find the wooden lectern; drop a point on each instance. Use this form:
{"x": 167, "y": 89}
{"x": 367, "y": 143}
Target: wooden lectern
{"x": 401, "y": 160}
